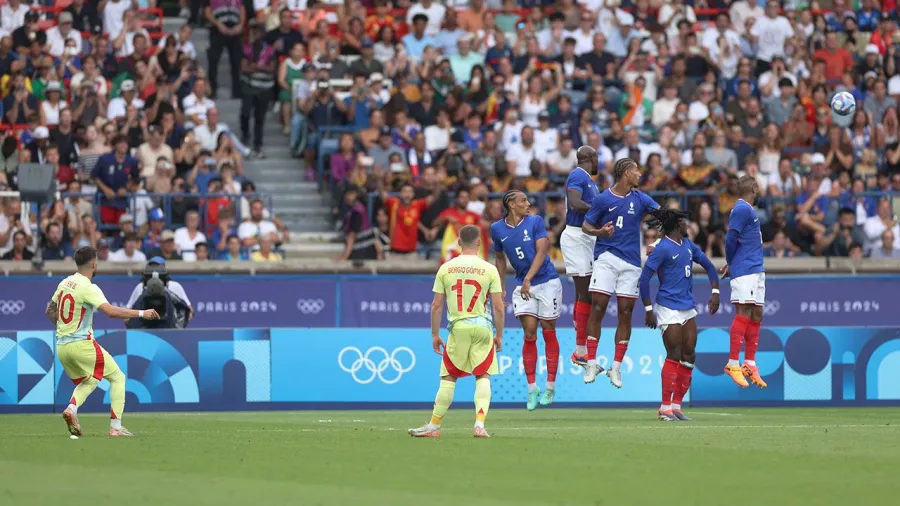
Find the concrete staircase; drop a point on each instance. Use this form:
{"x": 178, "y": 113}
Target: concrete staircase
{"x": 295, "y": 201}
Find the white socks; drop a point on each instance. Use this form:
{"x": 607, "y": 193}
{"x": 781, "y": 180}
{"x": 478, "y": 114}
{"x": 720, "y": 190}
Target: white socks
{"x": 115, "y": 423}
{"x": 616, "y": 365}
{"x": 532, "y": 387}
{"x": 665, "y": 407}
{"x": 733, "y": 363}
{"x": 73, "y": 407}
{"x": 551, "y": 385}
{"x": 581, "y": 350}
{"x": 676, "y": 407}
{"x": 479, "y": 425}
{"x": 750, "y": 362}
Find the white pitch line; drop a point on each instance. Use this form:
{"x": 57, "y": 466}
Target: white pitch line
{"x": 665, "y": 426}
{"x": 691, "y": 411}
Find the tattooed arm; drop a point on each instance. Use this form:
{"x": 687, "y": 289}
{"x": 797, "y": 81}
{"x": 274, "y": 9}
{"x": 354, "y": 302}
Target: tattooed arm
{"x": 52, "y": 311}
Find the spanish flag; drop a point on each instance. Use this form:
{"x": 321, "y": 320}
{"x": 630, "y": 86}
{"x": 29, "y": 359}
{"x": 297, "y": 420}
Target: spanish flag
{"x": 450, "y": 243}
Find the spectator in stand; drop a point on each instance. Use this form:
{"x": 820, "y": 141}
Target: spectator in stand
{"x": 197, "y": 105}
{"x": 234, "y": 252}
{"x": 52, "y": 104}
{"x": 126, "y": 226}
{"x": 250, "y": 230}
{"x": 54, "y": 246}
{"x": 150, "y": 152}
{"x": 875, "y": 226}
{"x": 111, "y": 175}
{"x": 227, "y": 18}
{"x": 208, "y": 133}
{"x": 223, "y": 230}
{"x": 404, "y": 215}
{"x": 19, "y": 251}
{"x": 167, "y": 248}
{"x": 360, "y": 243}
{"x": 887, "y": 248}
{"x": 129, "y": 252}
{"x": 12, "y": 15}
{"x": 265, "y": 253}
{"x": 118, "y": 106}
{"x": 85, "y": 17}
{"x": 417, "y": 40}
{"x": 258, "y": 79}
{"x": 19, "y": 105}
{"x": 62, "y": 32}
{"x": 152, "y": 232}
{"x": 188, "y": 236}
{"x": 28, "y": 33}
{"x": 201, "y": 250}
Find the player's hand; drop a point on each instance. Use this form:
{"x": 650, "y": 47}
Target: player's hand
{"x": 498, "y": 343}
{"x": 437, "y": 344}
{"x": 650, "y": 319}
{"x": 151, "y": 314}
{"x": 525, "y": 290}
{"x": 607, "y": 229}
{"x": 503, "y": 295}
{"x": 713, "y": 305}
{"x": 724, "y": 272}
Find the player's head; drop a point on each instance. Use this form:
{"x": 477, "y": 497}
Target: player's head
{"x": 469, "y": 238}
{"x": 86, "y": 261}
{"x": 627, "y": 170}
{"x": 516, "y": 203}
{"x": 748, "y": 189}
{"x": 587, "y": 159}
{"x": 670, "y": 221}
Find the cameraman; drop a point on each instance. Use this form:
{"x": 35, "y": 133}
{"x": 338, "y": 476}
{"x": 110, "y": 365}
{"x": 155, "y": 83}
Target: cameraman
{"x": 155, "y": 297}
{"x": 174, "y": 289}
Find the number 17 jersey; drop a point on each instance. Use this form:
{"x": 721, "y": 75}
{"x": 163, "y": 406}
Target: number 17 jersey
{"x": 466, "y": 281}
{"x": 626, "y": 212}
{"x": 76, "y": 297}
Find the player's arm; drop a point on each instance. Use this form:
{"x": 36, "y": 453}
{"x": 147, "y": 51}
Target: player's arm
{"x": 498, "y": 308}
{"x": 650, "y": 267}
{"x": 593, "y": 217}
{"x": 94, "y": 296}
{"x": 735, "y": 225}
{"x": 701, "y": 258}
{"x": 52, "y": 311}
{"x": 573, "y": 198}
{"x": 437, "y": 309}
{"x": 500, "y": 264}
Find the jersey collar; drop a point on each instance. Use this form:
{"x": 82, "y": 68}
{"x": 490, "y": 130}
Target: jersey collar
{"x": 674, "y": 241}
{"x": 505, "y": 222}
{"x": 614, "y": 194}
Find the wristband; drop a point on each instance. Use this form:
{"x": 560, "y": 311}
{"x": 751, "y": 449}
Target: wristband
{"x": 715, "y": 290}
{"x": 648, "y": 308}
{"x": 141, "y": 314}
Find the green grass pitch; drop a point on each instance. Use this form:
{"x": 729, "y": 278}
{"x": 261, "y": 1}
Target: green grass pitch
{"x": 551, "y": 456}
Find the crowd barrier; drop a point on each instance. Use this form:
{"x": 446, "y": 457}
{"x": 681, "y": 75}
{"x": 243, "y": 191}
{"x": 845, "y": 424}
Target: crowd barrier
{"x": 404, "y": 301}
{"x": 294, "y": 368}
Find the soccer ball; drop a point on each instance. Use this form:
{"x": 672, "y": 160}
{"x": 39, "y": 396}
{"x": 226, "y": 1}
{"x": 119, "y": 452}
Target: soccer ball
{"x": 843, "y": 104}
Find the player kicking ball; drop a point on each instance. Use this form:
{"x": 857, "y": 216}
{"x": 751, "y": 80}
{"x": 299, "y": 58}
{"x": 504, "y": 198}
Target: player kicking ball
{"x": 576, "y": 246}
{"x": 474, "y": 341}
{"x": 84, "y": 360}
{"x": 615, "y": 220}
{"x": 744, "y": 264}
{"x": 672, "y": 259}
{"x": 522, "y": 239}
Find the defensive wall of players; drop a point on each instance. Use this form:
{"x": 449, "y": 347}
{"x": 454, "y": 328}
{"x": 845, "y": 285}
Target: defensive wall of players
{"x": 295, "y": 368}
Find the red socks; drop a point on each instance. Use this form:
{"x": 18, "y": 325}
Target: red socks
{"x": 621, "y": 348}
{"x": 582, "y": 313}
{"x": 530, "y": 356}
{"x": 669, "y": 380}
{"x": 751, "y": 339}
{"x": 683, "y": 382}
{"x": 738, "y": 331}
{"x": 592, "y": 348}
{"x": 551, "y": 346}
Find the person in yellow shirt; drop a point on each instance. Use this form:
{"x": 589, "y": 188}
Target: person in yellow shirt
{"x": 265, "y": 253}
{"x": 72, "y": 309}
{"x": 464, "y": 284}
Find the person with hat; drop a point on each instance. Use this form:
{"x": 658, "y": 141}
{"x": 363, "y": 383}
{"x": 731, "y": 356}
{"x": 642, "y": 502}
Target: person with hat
{"x": 128, "y": 96}
{"x": 62, "y": 32}
{"x": 38, "y": 146}
{"x": 152, "y": 232}
{"x": 367, "y": 64}
{"x": 111, "y": 175}
{"x": 52, "y": 104}
{"x": 174, "y": 287}
{"x": 257, "y": 81}
{"x": 168, "y": 250}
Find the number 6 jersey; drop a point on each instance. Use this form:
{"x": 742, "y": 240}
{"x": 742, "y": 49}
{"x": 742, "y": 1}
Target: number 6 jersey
{"x": 76, "y": 298}
{"x": 626, "y": 214}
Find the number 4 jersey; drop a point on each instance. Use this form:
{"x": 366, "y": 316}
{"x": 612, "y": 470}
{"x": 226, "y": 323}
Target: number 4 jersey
{"x": 466, "y": 281}
{"x": 76, "y": 298}
{"x": 626, "y": 214}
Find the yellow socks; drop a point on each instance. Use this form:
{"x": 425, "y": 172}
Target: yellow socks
{"x": 442, "y": 401}
{"x": 482, "y": 398}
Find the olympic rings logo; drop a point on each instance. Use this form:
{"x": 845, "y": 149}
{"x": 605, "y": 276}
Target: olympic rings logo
{"x": 771, "y": 307}
{"x": 11, "y": 307}
{"x": 364, "y": 368}
{"x": 310, "y": 306}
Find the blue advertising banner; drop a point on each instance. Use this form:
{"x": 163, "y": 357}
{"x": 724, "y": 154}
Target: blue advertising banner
{"x": 241, "y": 369}
{"x": 396, "y": 301}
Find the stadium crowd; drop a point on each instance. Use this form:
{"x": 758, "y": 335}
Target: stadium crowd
{"x": 127, "y": 117}
{"x": 446, "y": 105}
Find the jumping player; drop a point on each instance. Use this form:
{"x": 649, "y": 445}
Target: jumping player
{"x": 578, "y": 247}
{"x": 523, "y": 239}
{"x": 615, "y": 219}
{"x": 672, "y": 259}
{"x": 465, "y": 282}
{"x": 744, "y": 264}
{"x": 84, "y": 360}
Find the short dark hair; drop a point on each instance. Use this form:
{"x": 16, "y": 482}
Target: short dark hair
{"x": 130, "y": 236}
{"x": 745, "y": 184}
{"x": 621, "y": 167}
{"x": 469, "y": 234}
{"x": 84, "y": 256}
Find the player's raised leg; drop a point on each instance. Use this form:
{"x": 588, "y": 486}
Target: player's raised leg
{"x": 582, "y": 312}
{"x": 625, "y": 306}
{"x": 685, "y": 367}
{"x": 751, "y": 343}
{"x": 599, "y": 303}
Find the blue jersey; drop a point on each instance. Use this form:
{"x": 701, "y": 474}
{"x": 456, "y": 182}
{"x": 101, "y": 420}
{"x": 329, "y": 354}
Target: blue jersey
{"x": 743, "y": 243}
{"x": 673, "y": 264}
{"x": 579, "y": 180}
{"x": 518, "y": 243}
{"x": 626, "y": 214}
